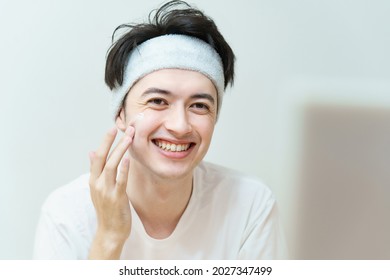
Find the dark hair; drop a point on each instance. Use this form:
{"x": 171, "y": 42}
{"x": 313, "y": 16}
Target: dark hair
{"x": 174, "y": 17}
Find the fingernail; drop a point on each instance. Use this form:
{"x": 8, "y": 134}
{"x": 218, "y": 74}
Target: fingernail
{"x": 129, "y": 130}
{"x": 91, "y": 155}
{"x": 126, "y": 161}
{"x": 113, "y": 130}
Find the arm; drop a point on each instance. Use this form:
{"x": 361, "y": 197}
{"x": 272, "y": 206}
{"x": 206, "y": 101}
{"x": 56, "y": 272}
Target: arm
{"x": 51, "y": 242}
{"x": 264, "y": 237}
{"x": 108, "y": 193}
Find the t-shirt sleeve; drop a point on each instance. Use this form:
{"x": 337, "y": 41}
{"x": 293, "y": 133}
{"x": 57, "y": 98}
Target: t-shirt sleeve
{"x": 53, "y": 240}
{"x": 263, "y": 237}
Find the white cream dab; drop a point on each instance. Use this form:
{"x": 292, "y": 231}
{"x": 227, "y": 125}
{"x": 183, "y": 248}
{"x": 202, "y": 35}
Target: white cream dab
{"x": 139, "y": 116}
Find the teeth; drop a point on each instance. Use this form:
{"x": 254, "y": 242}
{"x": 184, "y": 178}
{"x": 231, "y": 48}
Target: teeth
{"x": 172, "y": 147}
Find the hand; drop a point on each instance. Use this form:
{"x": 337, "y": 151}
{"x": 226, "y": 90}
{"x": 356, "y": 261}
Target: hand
{"x": 108, "y": 192}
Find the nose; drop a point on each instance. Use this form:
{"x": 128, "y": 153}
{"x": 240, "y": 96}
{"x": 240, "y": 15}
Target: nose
{"x": 177, "y": 122}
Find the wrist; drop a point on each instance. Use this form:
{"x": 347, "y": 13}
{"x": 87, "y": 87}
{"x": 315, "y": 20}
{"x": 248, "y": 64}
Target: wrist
{"x": 111, "y": 237}
{"x": 107, "y": 245}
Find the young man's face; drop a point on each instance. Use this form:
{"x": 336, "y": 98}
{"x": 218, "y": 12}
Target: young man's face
{"x": 174, "y": 113}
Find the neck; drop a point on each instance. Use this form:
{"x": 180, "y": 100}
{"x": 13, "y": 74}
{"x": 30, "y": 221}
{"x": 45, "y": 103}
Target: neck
{"x": 159, "y": 202}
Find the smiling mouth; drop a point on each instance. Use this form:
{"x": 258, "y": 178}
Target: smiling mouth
{"x": 172, "y": 147}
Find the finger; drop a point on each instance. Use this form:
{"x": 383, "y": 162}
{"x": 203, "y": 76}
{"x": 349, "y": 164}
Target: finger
{"x": 123, "y": 175}
{"x": 91, "y": 156}
{"x": 128, "y": 132}
{"x": 117, "y": 154}
{"x": 99, "y": 157}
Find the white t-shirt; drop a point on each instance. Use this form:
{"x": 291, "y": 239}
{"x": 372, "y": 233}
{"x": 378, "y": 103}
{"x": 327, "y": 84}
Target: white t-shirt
{"x": 229, "y": 216}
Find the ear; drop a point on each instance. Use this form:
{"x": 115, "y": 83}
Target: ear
{"x": 120, "y": 120}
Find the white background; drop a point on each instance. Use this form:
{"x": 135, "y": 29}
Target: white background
{"x": 54, "y": 105}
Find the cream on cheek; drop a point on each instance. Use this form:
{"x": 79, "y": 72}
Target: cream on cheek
{"x": 139, "y": 116}
{"x": 144, "y": 124}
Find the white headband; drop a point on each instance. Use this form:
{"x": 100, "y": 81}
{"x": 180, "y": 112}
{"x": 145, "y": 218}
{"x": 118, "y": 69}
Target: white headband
{"x": 170, "y": 52}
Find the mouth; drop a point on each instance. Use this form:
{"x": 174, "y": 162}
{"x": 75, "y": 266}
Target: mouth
{"x": 173, "y": 147}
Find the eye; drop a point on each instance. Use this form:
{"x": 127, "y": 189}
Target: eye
{"x": 157, "y": 102}
{"x": 200, "y": 106}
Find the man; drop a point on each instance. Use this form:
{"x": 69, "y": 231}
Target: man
{"x": 152, "y": 197}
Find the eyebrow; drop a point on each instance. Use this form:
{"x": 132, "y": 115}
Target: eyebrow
{"x": 194, "y": 96}
{"x": 155, "y": 90}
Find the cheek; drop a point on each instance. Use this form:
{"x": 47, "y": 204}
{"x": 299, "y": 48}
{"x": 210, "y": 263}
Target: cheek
{"x": 205, "y": 128}
{"x": 209, "y": 132}
{"x": 144, "y": 123}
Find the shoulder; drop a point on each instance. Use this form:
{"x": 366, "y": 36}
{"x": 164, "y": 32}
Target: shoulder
{"x": 67, "y": 222}
{"x": 69, "y": 199}
{"x": 217, "y": 178}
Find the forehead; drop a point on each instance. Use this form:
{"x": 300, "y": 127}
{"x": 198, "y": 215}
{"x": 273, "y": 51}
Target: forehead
{"x": 177, "y": 81}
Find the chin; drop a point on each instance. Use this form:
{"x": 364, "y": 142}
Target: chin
{"x": 173, "y": 172}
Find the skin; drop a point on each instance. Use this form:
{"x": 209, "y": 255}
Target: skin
{"x": 176, "y": 106}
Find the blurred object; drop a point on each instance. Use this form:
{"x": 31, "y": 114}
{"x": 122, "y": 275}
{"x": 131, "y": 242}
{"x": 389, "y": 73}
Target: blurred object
{"x": 343, "y": 194}
{"x": 331, "y": 161}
